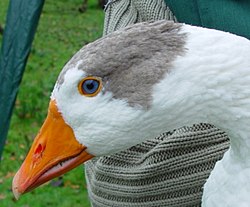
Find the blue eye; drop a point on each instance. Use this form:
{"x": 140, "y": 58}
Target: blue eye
{"x": 90, "y": 86}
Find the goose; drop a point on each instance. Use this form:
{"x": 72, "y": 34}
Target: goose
{"x": 134, "y": 84}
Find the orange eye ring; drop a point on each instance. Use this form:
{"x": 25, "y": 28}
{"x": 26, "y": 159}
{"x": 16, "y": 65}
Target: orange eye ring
{"x": 90, "y": 86}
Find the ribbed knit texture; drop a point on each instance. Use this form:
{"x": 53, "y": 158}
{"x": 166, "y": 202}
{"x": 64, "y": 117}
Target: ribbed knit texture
{"x": 167, "y": 171}
{"x": 120, "y": 13}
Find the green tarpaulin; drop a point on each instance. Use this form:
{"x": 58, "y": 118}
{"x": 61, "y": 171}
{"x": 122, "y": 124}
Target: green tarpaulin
{"x": 22, "y": 20}
{"x": 227, "y": 15}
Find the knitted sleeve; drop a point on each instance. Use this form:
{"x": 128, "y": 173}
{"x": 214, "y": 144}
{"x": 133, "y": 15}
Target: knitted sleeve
{"x": 120, "y": 13}
{"x": 167, "y": 171}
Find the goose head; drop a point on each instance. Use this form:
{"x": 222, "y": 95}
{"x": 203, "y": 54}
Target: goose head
{"x": 135, "y": 84}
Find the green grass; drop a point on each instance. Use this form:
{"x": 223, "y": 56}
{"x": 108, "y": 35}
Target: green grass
{"x": 61, "y": 32}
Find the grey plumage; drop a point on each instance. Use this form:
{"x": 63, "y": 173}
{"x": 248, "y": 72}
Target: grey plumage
{"x": 145, "y": 50}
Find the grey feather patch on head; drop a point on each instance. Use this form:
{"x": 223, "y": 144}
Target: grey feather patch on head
{"x": 130, "y": 61}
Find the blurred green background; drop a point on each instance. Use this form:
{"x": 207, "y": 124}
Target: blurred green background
{"x": 62, "y": 31}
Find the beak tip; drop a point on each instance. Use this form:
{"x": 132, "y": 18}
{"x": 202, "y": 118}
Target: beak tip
{"x": 16, "y": 193}
{"x": 15, "y": 189}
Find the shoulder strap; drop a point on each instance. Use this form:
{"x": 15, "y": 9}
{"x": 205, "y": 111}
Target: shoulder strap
{"x": 227, "y": 15}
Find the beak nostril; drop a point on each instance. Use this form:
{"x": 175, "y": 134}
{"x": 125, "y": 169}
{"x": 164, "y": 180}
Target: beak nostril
{"x": 39, "y": 150}
{"x": 38, "y": 154}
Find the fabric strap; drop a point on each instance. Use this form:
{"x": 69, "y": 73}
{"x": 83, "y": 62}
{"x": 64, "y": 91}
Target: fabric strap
{"x": 227, "y": 15}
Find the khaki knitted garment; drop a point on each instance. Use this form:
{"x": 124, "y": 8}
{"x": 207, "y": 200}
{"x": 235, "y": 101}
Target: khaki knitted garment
{"x": 169, "y": 170}
{"x": 121, "y": 13}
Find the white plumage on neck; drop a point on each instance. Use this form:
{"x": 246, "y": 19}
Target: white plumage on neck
{"x": 209, "y": 85}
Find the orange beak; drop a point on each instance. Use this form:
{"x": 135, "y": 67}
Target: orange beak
{"x": 54, "y": 151}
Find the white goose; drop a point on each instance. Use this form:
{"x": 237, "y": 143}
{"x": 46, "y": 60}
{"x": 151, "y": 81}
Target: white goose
{"x": 160, "y": 74}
